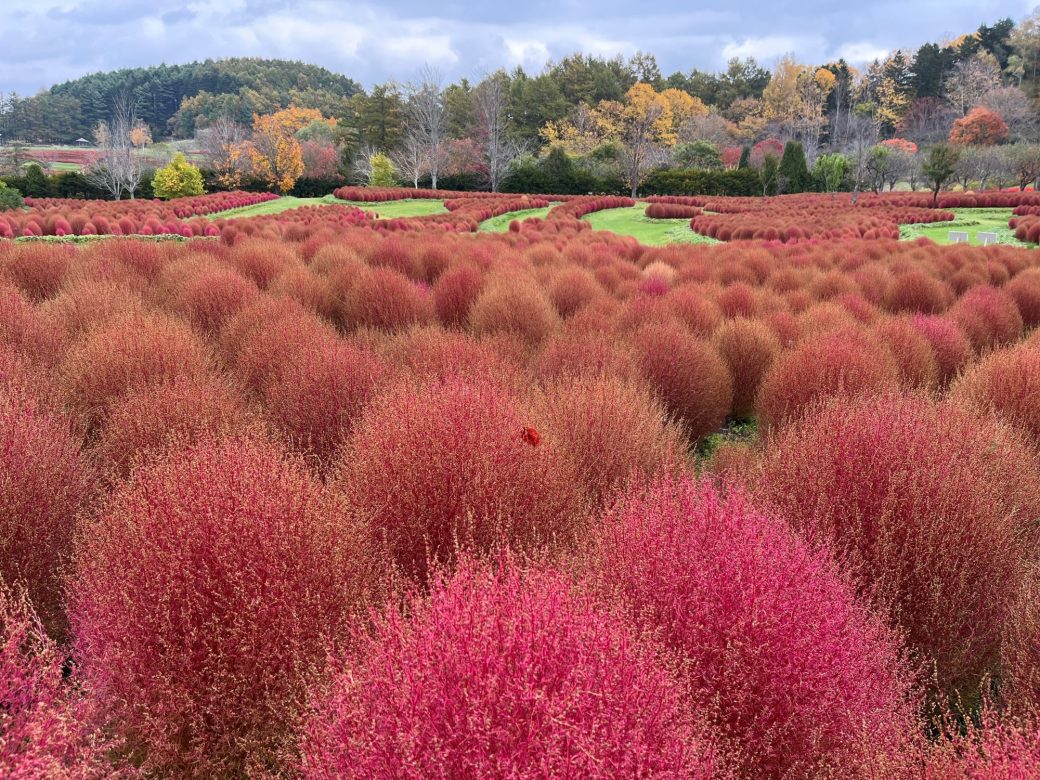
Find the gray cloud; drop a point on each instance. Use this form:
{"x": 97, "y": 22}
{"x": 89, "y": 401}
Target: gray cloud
{"x": 48, "y": 41}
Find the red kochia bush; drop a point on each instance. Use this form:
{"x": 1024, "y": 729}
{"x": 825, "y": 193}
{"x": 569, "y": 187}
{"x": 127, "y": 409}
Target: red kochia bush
{"x": 315, "y": 400}
{"x": 1025, "y": 290}
{"x": 1008, "y": 383}
{"x": 794, "y": 674}
{"x": 951, "y": 347}
{"x": 613, "y": 432}
{"x": 845, "y": 363}
{"x": 384, "y": 298}
{"x": 44, "y": 485}
{"x": 454, "y": 293}
{"x": 1020, "y": 649}
{"x": 688, "y": 374}
{"x": 131, "y": 352}
{"x": 433, "y": 466}
{"x": 749, "y": 348}
{"x": 150, "y": 420}
{"x": 202, "y": 603}
{"x": 989, "y": 317}
{"x": 516, "y": 306}
{"x": 932, "y": 506}
{"x": 46, "y": 729}
{"x": 996, "y": 751}
{"x": 503, "y": 673}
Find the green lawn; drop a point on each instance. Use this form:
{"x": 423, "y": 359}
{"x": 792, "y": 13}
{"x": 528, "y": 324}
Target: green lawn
{"x": 972, "y": 221}
{"x": 389, "y": 210}
{"x": 394, "y": 209}
{"x": 500, "y": 224}
{"x": 631, "y": 221}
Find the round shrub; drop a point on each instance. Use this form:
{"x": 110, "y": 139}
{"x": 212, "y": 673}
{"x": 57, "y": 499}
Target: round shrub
{"x": 795, "y": 676}
{"x": 1020, "y": 649}
{"x": 614, "y": 432}
{"x": 917, "y": 291}
{"x": 454, "y": 293}
{"x": 929, "y": 503}
{"x": 203, "y": 601}
{"x": 687, "y": 374}
{"x": 208, "y": 294}
{"x": 573, "y": 288}
{"x": 503, "y": 673}
{"x": 569, "y": 353}
{"x": 749, "y": 348}
{"x": 989, "y": 317}
{"x": 90, "y": 304}
{"x": 846, "y": 363}
{"x": 514, "y": 306}
{"x": 1024, "y": 289}
{"x": 316, "y": 398}
{"x": 434, "y": 353}
{"x": 912, "y": 352}
{"x": 950, "y": 346}
{"x": 128, "y": 353}
{"x": 260, "y": 340}
{"x": 46, "y": 729}
{"x": 435, "y": 466}
{"x": 150, "y": 420}
{"x": 384, "y": 298}
{"x": 23, "y": 328}
{"x": 45, "y": 484}
{"x": 1006, "y": 382}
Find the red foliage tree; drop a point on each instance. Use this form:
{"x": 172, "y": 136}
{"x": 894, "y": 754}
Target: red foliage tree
{"x": 981, "y": 127}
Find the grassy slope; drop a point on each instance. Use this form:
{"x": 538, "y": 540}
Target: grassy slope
{"x": 973, "y": 221}
{"x": 654, "y": 232}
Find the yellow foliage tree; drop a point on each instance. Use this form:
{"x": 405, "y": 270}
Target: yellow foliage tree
{"x": 684, "y": 107}
{"x": 275, "y": 152}
{"x": 781, "y": 99}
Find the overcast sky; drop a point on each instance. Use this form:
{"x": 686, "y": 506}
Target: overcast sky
{"x": 48, "y": 41}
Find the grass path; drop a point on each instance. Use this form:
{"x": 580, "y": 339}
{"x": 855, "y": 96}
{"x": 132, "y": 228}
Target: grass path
{"x": 388, "y": 210}
{"x": 631, "y": 221}
{"x": 500, "y": 224}
{"x": 971, "y": 221}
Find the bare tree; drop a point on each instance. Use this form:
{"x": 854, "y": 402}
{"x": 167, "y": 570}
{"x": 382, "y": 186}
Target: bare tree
{"x": 980, "y": 165}
{"x": 411, "y": 160}
{"x": 970, "y": 79}
{"x": 427, "y": 120}
{"x": 490, "y": 101}
{"x": 223, "y": 143}
{"x": 118, "y": 169}
{"x": 863, "y": 137}
{"x": 1015, "y": 107}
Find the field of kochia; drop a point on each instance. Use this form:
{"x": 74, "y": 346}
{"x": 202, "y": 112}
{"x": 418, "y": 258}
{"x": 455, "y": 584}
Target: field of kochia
{"x": 415, "y": 484}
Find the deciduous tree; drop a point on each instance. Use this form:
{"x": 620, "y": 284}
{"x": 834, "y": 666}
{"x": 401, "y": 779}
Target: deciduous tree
{"x": 981, "y": 127}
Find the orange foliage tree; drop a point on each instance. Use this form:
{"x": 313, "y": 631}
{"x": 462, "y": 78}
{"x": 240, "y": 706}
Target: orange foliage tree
{"x": 275, "y": 151}
{"x": 981, "y": 127}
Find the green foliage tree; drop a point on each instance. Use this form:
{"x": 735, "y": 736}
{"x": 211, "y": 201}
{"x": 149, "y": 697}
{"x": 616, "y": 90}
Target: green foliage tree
{"x": 793, "y": 172}
{"x": 381, "y": 171}
{"x": 745, "y": 158}
{"x": 769, "y": 173}
{"x": 10, "y": 198}
{"x": 939, "y": 167}
{"x": 178, "y": 179}
{"x": 831, "y": 171}
{"x": 34, "y": 182}
{"x": 703, "y": 155}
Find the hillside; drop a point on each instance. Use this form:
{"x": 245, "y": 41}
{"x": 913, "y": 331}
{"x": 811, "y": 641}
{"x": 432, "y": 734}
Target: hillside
{"x": 239, "y": 86}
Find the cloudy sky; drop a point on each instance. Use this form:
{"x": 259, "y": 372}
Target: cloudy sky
{"x": 48, "y": 41}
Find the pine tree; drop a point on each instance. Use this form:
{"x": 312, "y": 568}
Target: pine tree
{"x": 745, "y": 158}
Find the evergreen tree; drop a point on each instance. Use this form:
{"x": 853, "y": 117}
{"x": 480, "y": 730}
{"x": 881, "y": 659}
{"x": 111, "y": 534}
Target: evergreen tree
{"x": 793, "y": 172}
{"x": 745, "y": 158}
{"x": 179, "y": 179}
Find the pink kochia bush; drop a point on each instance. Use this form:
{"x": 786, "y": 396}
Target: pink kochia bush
{"x": 797, "y": 678}
{"x": 204, "y": 599}
{"x": 503, "y": 673}
{"x": 45, "y": 483}
{"x": 931, "y": 505}
{"x": 46, "y": 729}
{"x": 433, "y": 466}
